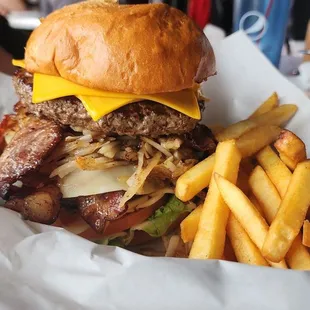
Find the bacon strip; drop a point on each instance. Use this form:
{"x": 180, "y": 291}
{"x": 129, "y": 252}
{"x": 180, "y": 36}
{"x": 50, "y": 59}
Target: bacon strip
{"x": 41, "y": 206}
{"x": 201, "y": 139}
{"x": 27, "y": 150}
{"x": 96, "y": 210}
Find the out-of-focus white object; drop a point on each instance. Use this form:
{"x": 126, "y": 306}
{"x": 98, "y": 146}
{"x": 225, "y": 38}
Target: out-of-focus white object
{"x": 57, "y": 270}
{"x": 7, "y": 94}
{"x": 25, "y": 20}
{"x": 214, "y": 34}
{"x": 304, "y": 71}
{"x": 291, "y": 64}
{"x": 245, "y": 78}
{"x": 305, "y": 52}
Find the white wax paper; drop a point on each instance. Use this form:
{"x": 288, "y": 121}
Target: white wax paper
{"x": 55, "y": 269}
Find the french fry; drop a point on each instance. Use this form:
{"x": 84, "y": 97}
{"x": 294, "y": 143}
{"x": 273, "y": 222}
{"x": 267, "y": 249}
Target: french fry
{"x": 256, "y": 204}
{"x": 265, "y": 192}
{"x": 245, "y": 250}
{"x": 189, "y": 225}
{"x": 257, "y": 138}
{"x": 289, "y": 219}
{"x": 291, "y": 148}
{"x": 298, "y": 257}
{"x": 278, "y": 116}
{"x": 217, "y": 128}
{"x": 247, "y": 215}
{"x": 240, "y": 243}
{"x": 195, "y": 179}
{"x": 210, "y": 238}
{"x": 198, "y": 177}
{"x": 271, "y": 103}
{"x": 275, "y": 117}
{"x": 269, "y": 198}
{"x": 276, "y": 170}
{"x": 235, "y": 130}
{"x": 306, "y": 233}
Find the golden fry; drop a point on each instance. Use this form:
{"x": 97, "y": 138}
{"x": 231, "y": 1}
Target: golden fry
{"x": 306, "y": 233}
{"x": 217, "y": 128}
{"x": 291, "y": 149}
{"x": 257, "y": 138}
{"x": 210, "y": 238}
{"x": 247, "y": 215}
{"x": 278, "y": 116}
{"x": 271, "y": 103}
{"x": 256, "y": 204}
{"x": 298, "y": 257}
{"x": 276, "y": 170}
{"x": 265, "y": 192}
{"x": 235, "y": 130}
{"x": 245, "y": 250}
{"x": 289, "y": 219}
{"x": 189, "y": 225}
{"x": 195, "y": 179}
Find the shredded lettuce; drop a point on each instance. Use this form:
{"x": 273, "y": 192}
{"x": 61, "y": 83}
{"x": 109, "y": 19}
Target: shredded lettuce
{"x": 158, "y": 224}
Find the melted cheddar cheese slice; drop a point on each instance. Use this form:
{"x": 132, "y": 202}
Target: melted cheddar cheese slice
{"x": 99, "y": 103}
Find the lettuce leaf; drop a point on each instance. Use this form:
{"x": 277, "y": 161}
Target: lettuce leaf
{"x": 158, "y": 224}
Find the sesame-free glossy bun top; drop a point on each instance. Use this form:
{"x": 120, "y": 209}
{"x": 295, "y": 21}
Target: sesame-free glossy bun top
{"x": 140, "y": 49}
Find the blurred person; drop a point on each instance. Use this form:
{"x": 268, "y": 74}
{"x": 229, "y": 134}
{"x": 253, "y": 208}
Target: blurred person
{"x": 216, "y": 12}
{"x": 6, "y": 62}
{"x": 7, "y": 6}
{"x": 179, "y": 4}
{"x": 48, "y": 6}
{"x": 12, "y": 43}
{"x": 200, "y": 12}
{"x": 300, "y": 17}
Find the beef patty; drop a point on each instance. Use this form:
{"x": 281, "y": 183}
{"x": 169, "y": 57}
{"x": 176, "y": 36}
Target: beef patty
{"x": 141, "y": 118}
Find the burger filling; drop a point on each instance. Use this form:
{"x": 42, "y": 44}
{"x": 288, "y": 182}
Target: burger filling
{"x": 113, "y": 177}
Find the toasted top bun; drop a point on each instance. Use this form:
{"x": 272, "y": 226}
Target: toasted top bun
{"x": 139, "y": 49}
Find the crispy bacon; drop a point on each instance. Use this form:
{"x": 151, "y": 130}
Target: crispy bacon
{"x": 8, "y": 121}
{"x": 26, "y": 151}
{"x": 41, "y": 206}
{"x": 96, "y": 210}
{"x": 201, "y": 139}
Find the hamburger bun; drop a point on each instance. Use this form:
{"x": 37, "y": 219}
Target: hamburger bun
{"x": 139, "y": 49}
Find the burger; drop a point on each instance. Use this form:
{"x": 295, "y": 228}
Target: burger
{"x": 108, "y": 119}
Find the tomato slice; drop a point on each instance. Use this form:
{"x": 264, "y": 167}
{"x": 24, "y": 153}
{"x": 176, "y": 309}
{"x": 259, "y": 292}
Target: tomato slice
{"x": 123, "y": 223}
{"x": 76, "y": 223}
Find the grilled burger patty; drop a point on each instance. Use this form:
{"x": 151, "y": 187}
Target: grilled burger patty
{"x": 141, "y": 118}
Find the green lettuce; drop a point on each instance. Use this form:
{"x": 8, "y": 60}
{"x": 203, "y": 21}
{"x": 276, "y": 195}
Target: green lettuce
{"x": 158, "y": 224}
{"x": 120, "y": 239}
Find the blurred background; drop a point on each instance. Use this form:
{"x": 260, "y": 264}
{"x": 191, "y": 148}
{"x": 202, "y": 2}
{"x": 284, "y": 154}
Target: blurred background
{"x": 278, "y": 27}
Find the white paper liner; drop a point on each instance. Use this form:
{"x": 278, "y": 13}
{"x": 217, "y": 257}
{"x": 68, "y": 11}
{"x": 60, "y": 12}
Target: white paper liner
{"x": 58, "y": 270}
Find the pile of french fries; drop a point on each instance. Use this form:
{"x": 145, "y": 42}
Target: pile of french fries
{"x": 258, "y": 194}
